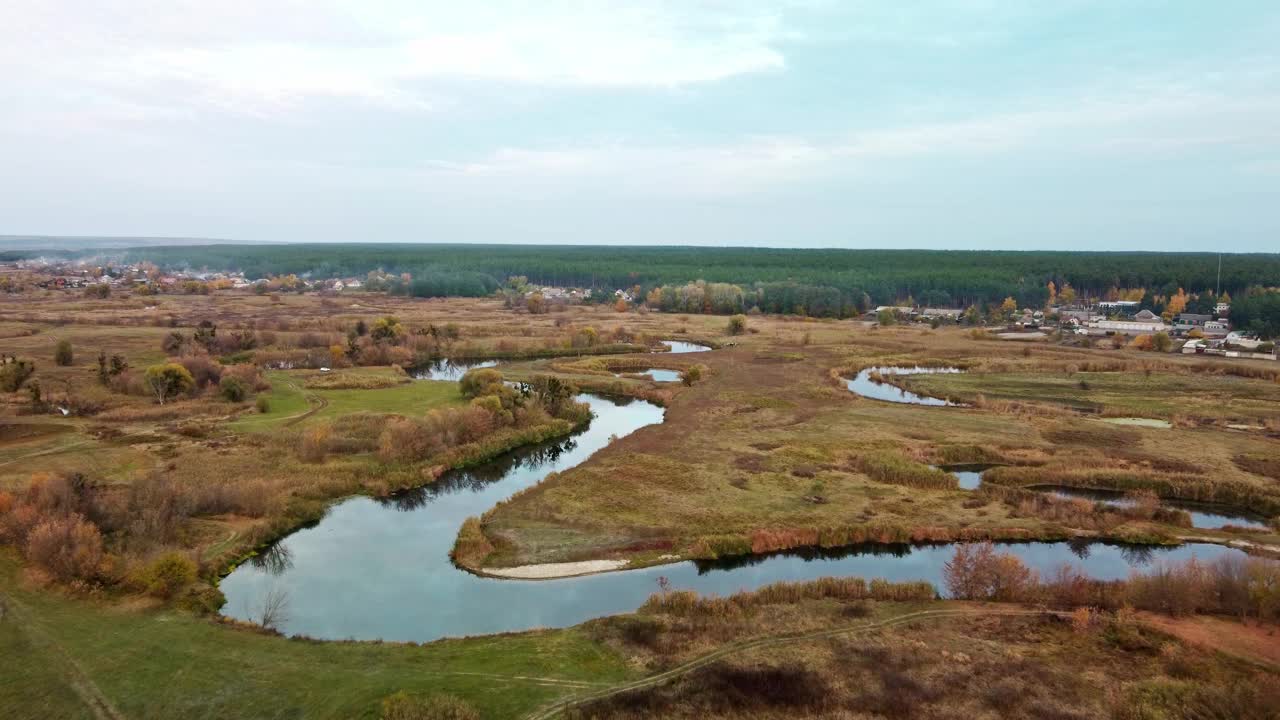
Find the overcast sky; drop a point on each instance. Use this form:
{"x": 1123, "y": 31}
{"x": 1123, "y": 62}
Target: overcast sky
{"x": 1117, "y": 124}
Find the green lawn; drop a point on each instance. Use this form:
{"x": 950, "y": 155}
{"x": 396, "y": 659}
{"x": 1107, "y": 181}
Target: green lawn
{"x": 169, "y": 665}
{"x": 290, "y": 398}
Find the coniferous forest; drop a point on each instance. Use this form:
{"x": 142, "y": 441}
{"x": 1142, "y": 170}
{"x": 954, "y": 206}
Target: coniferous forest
{"x": 823, "y": 281}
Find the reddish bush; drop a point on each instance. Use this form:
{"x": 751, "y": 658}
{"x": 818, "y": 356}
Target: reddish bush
{"x": 204, "y": 370}
{"x": 248, "y": 374}
{"x": 978, "y": 572}
{"x": 68, "y": 548}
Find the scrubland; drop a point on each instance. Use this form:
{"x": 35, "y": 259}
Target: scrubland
{"x": 122, "y": 512}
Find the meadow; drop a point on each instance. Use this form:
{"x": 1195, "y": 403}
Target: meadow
{"x": 764, "y": 448}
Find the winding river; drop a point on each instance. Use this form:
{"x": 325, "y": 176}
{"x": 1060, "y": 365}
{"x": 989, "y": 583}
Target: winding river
{"x": 863, "y": 384}
{"x": 379, "y": 569}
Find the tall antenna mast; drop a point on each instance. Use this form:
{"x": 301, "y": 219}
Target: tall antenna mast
{"x": 1217, "y": 284}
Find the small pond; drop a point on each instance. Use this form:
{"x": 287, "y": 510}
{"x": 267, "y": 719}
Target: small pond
{"x": 863, "y": 385}
{"x": 445, "y": 369}
{"x": 655, "y": 374}
{"x": 679, "y": 346}
{"x": 970, "y": 476}
{"x": 1203, "y": 515}
{"x": 1139, "y": 422}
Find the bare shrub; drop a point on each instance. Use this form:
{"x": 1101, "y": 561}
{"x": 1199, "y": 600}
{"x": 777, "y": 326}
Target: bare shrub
{"x": 314, "y": 444}
{"x": 274, "y": 610}
{"x": 154, "y": 512}
{"x": 205, "y": 371}
{"x": 978, "y": 572}
{"x": 68, "y": 548}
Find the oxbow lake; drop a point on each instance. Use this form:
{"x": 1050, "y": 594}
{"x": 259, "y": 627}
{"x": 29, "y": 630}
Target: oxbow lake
{"x": 380, "y": 569}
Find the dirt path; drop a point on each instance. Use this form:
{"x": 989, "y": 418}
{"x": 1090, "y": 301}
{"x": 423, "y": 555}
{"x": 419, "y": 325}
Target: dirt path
{"x": 317, "y": 402}
{"x": 1258, "y": 644}
{"x": 15, "y": 612}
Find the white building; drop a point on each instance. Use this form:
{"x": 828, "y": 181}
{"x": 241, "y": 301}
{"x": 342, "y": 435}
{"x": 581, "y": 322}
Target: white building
{"x": 1130, "y": 327}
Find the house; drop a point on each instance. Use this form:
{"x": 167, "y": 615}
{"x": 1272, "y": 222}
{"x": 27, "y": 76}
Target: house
{"x": 1243, "y": 340}
{"x": 895, "y": 309}
{"x": 941, "y": 313}
{"x": 1075, "y": 317}
{"x": 1131, "y": 327}
{"x": 1119, "y": 307}
{"x": 1191, "y": 320}
{"x": 1222, "y": 309}
{"x": 1147, "y": 316}
{"x": 1216, "y": 328}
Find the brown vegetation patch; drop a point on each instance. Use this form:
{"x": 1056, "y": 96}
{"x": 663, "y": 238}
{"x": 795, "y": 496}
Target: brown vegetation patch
{"x": 1105, "y": 437}
{"x": 354, "y": 381}
{"x": 26, "y": 432}
{"x": 1264, "y": 465}
{"x": 752, "y": 463}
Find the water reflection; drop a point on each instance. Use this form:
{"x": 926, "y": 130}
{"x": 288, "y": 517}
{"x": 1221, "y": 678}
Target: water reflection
{"x": 1080, "y": 547}
{"x": 679, "y": 346}
{"x": 968, "y": 475}
{"x": 380, "y": 569}
{"x": 445, "y": 369}
{"x": 734, "y": 562}
{"x": 863, "y": 384}
{"x": 275, "y": 560}
{"x": 1203, "y": 515}
{"x": 476, "y": 478}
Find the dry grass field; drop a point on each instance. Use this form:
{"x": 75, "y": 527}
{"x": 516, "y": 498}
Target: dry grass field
{"x": 767, "y": 450}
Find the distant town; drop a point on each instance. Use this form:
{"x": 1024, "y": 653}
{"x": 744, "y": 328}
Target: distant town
{"x": 1192, "y": 324}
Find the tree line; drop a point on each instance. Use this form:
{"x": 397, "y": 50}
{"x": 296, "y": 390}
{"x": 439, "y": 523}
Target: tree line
{"x": 952, "y": 278}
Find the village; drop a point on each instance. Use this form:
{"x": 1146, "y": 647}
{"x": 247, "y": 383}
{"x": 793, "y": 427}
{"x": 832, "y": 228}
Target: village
{"x": 1205, "y": 328}
{"x": 1121, "y": 321}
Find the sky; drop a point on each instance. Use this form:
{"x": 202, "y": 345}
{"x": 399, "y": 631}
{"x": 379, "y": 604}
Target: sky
{"x": 1000, "y": 124}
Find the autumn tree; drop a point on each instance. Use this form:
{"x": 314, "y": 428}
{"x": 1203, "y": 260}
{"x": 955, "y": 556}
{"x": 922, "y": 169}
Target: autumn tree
{"x": 1177, "y": 304}
{"x": 978, "y": 572}
{"x": 1008, "y": 308}
{"x": 737, "y": 325}
{"x": 480, "y": 381}
{"x": 62, "y": 355}
{"x": 168, "y": 379}
{"x": 387, "y": 329}
{"x": 206, "y": 334}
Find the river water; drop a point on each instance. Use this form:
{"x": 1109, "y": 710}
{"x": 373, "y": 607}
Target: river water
{"x": 379, "y": 569}
{"x": 863, "y": 385}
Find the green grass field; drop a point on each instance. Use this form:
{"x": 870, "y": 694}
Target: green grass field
{"x": 290, "y": 399}
{"x": 153, "y": 664}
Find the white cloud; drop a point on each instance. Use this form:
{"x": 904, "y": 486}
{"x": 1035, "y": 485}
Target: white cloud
{"x": 261, "y": 56}
{"x": 1169, "y": 122}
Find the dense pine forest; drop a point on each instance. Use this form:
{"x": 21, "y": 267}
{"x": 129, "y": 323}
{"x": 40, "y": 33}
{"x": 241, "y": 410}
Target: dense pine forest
{"x": 834, "y": 277}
